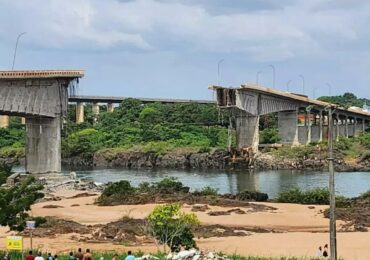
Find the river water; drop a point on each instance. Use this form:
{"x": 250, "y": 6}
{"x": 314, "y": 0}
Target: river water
{"x": 349, "y": 184}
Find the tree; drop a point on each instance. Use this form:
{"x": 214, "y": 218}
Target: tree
{"x": 16, "y": 201}
{"x": 171, "y": 227}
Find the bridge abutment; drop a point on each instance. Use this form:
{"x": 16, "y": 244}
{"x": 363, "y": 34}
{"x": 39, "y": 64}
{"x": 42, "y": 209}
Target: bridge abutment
{"x": 43, "y": 145}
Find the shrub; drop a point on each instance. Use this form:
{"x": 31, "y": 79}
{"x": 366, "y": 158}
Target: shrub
{"x": 269, "y": 136}
{"x": 116, "y": 192}
{"x": 171, "y": 227}
{"x": 168, "y": 185}
{"x": 207, "y": 191}
{"x": 318, "y": 196}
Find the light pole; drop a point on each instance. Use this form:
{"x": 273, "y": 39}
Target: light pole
{"x": 218, "y": 71}
{"x": 303, "y": 83}
{"x": 273, "y": 74}
{"x": 314, "y": 93}
{"x": 333, "y": 231}
{"x": 287, "y": 84}
{"x": 16, "y": 47}
{"x": 329, "y": 89}
{"x": 257, "y": 76}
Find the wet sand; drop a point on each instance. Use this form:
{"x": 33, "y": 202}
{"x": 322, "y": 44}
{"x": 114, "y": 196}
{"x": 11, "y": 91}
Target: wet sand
{"x": 304, "y": 229}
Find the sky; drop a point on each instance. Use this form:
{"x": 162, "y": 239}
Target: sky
{"x": 172, "y": 48}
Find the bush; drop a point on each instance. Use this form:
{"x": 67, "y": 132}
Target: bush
{"x": 168, "y": 186}
{"x": 269, "y": 136}
{"x": 118, "y": 191}
{"x": 319, "y": 196}
{"x": 207, "y": 191}
{"x": 172, "y": 227}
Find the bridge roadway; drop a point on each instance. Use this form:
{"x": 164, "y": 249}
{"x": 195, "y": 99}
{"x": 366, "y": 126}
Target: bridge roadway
{"x": 250, "y": 101}
{"x": 118, "y": 100}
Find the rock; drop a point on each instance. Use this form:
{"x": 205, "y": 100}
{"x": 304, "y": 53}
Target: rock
{"x": 200, "y": 208}
{"x": 52, "y": 206}
{"x": 210, "y": 255}
{"x": 186, "y": 254}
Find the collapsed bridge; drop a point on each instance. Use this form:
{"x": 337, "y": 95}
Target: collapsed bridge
{"x": 41, "y": 97}
{"x": 301, "y": 120}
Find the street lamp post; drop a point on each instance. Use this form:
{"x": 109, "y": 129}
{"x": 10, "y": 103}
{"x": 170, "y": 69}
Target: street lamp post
{"x": 287, "y": 85}
{"x": 218, "y": 71}
{"x": 303, "y": 83}
{"x": 257, "y": 76}
{"x": 273, "y": 74}
{"x": 16, "y": 47}
{"x": 314, "y": 93}
{"x": 329, "y": 85}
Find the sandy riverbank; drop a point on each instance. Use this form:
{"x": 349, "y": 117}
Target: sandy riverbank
{"x": 303, "y": 228}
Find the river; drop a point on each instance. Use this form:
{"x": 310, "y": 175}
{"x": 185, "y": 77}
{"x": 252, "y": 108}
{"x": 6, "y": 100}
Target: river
{"x": 349, "y": 184}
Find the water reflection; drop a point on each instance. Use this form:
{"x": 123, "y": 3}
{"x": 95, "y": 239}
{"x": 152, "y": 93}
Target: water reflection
{"x": 349, "y": 184}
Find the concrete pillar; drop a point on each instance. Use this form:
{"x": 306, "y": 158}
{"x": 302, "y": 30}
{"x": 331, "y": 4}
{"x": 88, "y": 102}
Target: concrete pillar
{"x": 355, "y": 127}
{"x": 309, "y": 125}
{"x": 43, "y": 145}
{"x": 288, "y": 127}
{"x": 363, "y": 125}
{"x": 247, "y": 131}
{"x": 320, "y": 126}
{"x": 110, "y": 108}
{"x": 80, "y": 118}
{"x": 23, "y": 120}
{"x": 346, "y": 118}
{"x": 95, "y": 108}
{"x": 4, "y": 121}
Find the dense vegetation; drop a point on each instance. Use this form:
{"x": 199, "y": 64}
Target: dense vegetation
{"x": 346, "y": 100}
{"x": 17, "y": 200}
{"x": 318, "y": 196}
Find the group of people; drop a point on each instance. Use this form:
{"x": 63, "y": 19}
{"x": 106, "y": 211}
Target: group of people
{"x": 323, "y": 252}
{"x": 79, "y": 255}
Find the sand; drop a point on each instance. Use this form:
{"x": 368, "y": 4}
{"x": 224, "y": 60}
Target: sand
{"x": 304, "y": 229}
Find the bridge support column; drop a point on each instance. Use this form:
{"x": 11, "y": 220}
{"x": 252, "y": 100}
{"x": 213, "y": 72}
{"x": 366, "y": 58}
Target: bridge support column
{"x": 320, "y": 126}
{"x": 288, "y": 127}
{"x": 347, "y": 132}
{"x": 110, "y": 107}
{"x": 363, "y": 125}
{"x": 80, "y": 118}
{"x": 4, "y": 121}
{"x": 43, "y": 149}
{"x": 247, "y": 131}
{"x": 309, "y": 125}
{"x": 23, "y": 120}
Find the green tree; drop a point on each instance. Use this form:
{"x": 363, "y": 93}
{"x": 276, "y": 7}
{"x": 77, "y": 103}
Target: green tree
{"x": 171, "y": 227}
{"x": 16, "y": 201}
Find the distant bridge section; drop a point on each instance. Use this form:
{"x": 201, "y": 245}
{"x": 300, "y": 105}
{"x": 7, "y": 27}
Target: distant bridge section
{"x": 96, "y": 100}
{"x": 301, "y": 120}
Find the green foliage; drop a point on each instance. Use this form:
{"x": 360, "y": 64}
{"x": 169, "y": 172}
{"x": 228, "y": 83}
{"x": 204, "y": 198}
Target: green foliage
{"x": 172, "y": 227}
{"x": 319, "y": 196}
{"x": 116, "y": 191}
{"x": 16, "y": 201}
{"x": 168, "y": 186}
{"x": 13, "y": 137}
{"x": 346, "y": 100}
{"x": 207, "y": 191}
{"x": 269, "y": 136}
{"x": 295, "y": 152}
{"x": 5, "y": 171}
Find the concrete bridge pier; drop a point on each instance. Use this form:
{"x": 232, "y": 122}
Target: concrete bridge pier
{"x": 43, "y": 144}
{"x": 4, "y": 121}
{"x": 288, "y": 127}
{"x": 110, "y": 107}
{"x": 247, "y": 131}
{"x": 80, "y": 118}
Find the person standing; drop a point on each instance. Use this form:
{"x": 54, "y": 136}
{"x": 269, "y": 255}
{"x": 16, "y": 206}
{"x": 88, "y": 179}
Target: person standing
{"x": 87, "y": 255}
{"x": 39, "y": 256}
{"x": 129, "y": 256}
{"x": 79, "y": 255}
{"x": 30, "y": 256}
{"x": 319, "y": 252}
{"x": 326, "y": 250}
{"x": 50, "y": 257}
{"x": 71, "y": 256}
